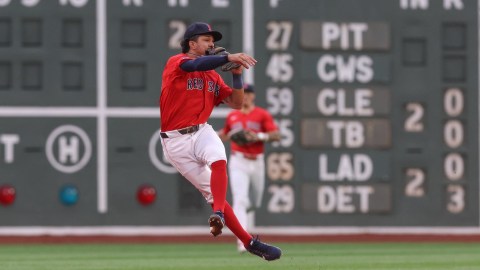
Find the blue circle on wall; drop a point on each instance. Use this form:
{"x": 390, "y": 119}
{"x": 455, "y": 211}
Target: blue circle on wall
{"x": 68, "y": 195}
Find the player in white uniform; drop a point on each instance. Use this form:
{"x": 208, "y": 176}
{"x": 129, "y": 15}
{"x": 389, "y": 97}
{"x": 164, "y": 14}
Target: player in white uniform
{"x": 246, "y": 164}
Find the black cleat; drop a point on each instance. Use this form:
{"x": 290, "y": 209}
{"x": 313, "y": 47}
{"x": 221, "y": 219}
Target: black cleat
{"x": 262, "y": 250}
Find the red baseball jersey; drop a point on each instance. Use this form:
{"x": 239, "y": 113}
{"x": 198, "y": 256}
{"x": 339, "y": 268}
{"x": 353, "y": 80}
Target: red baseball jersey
{"x": 188, "y": 98}
{"x": 258, "y": 120}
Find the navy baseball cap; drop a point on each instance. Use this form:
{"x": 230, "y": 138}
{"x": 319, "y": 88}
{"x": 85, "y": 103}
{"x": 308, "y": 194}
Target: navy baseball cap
{"x": 248, "y": 88}
{"x": 201, "y": 28}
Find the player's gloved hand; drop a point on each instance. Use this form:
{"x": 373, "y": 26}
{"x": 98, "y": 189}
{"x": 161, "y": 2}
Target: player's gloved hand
{"x": 251, "y": 136}
{"x": 222, "y": 51}
{"x": 239, "y": 136}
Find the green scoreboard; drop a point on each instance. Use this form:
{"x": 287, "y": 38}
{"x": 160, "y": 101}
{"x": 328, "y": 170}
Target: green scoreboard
{"x": 378, "y": 106}
{"x": 376, "y": 102}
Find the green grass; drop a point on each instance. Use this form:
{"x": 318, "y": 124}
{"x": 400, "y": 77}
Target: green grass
{"x": 388, "y": 256}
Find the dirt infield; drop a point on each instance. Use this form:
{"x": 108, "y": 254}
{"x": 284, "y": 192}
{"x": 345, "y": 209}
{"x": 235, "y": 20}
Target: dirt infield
{"x": 100, "y": 239}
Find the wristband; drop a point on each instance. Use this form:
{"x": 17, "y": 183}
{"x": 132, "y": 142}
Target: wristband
{"x": 237, "y": 81}
{"x": 263, "y": 136}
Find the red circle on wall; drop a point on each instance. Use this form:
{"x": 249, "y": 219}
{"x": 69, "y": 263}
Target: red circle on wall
{"x": 7, "y": 194}
{"x": 146, "y": 194}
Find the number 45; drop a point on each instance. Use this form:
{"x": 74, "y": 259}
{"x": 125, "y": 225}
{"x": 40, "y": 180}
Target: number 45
{"x": 279, "y": 68}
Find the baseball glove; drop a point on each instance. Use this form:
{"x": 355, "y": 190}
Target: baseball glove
{"x": 222, "y": 51}
{"x": 239, "y": 137}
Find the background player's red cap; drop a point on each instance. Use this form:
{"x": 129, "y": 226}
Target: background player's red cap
{"x": 200, "y": 28}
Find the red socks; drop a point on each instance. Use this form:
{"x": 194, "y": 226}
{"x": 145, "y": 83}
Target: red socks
{"x": 218, "y": 185}
{"x": 232, "y": 223}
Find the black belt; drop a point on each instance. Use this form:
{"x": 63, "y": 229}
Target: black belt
{"x": 182, "y": 131}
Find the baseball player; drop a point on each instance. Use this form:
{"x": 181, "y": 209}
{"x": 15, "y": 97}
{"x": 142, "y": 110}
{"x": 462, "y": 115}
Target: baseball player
{"x": 248, "y": 129}
{"x": 190, "y": 90}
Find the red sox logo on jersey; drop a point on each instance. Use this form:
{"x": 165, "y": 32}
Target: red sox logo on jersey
{"x": 197, "y": 83}
{"x": 254, "y": 125}
{"x": 217, "y": 90}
